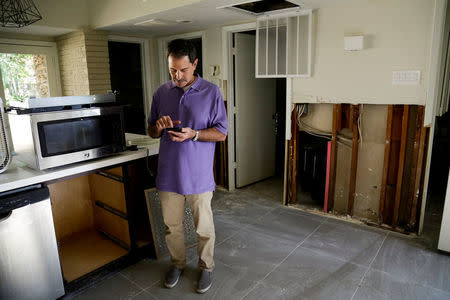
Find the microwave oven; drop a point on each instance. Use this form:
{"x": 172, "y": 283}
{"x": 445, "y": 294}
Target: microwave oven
{"x": 54, "y": 136}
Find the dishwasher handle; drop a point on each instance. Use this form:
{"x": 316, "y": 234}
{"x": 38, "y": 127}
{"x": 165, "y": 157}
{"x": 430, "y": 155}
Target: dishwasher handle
{"x": 5, "y": 215}
{"x": 21, "y": 197}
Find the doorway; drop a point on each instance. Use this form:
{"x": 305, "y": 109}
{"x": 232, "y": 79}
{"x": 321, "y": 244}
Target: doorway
{"x": 437, "y": 183}
{"x": 127, "y": 83}
{"x": 256, "y": 117}
{"x": 195, "y": 37}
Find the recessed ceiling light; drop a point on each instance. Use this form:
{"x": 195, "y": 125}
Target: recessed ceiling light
{"x": 153, "y": 22}
{"x": 184, "y": 21}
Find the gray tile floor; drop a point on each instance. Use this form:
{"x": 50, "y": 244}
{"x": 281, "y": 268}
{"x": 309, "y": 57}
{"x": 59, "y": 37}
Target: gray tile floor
{"x": 267, "y": 251}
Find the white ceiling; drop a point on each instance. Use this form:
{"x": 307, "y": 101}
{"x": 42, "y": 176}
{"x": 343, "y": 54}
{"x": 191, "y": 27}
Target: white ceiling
{"x": 203, "y": 14}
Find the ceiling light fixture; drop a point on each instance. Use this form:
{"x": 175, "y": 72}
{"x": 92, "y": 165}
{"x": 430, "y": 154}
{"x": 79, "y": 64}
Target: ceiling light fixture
{"x": 184, "y": 21}
{"x": 18, "y": 13}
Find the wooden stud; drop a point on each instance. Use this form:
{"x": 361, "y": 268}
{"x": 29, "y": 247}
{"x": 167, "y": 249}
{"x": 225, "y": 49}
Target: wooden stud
{"x": 289, "y": 172}
{"x": 418, "y": 177}
{"x": 387, "y": 151}
{"x": 414, "y": 165}
{"x": 293, "y": 157}
{"x": 398, "y": 188}
{"x": 336, "y": 121}
{"x": 286, "y": 174}
{"x": 354, "y": 112}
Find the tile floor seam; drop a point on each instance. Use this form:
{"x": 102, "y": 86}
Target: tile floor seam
{"x": 140, "y": 292}
{"x": 410, "y": 281}
{"x": 131, "y": 281}
{"x": 147, "y": 290}
{"x": 279, "y": 264}
{"x": 88, "y": 287}
{"x": 368, "y": 268}
{"x": 245, "y": 226}
{"x": 334, "y": 257}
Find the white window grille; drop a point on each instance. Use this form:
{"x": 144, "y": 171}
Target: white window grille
{"x": 283, "y": 45}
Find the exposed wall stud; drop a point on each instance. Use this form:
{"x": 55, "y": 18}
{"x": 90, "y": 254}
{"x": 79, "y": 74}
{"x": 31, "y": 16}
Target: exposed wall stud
{"x": 354, "y": 114}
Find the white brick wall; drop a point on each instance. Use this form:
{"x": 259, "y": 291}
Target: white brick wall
{"x": 84, "y": 62}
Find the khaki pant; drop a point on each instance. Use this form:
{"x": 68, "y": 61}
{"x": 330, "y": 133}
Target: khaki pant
{"x": 172, "y": 205}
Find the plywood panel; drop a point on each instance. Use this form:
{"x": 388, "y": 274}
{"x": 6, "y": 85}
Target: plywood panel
{"x": 108, "y": 191}
{"x": 112, "y": 224}
{"x": 86, "y": 251}
{"x": 71, "y": 206}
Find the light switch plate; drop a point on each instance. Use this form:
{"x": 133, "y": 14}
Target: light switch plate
{"x": 406, "y": 77}
{"x": 354, "y": 43}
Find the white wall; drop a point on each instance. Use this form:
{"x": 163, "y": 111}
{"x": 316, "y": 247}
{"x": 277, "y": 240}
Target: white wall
{"x": 397, "y": 37}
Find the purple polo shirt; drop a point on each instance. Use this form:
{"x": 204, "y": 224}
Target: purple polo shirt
{"x": 187, "y": 168}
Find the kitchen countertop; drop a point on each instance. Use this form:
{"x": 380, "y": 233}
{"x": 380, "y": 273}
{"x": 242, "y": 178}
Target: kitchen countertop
{"x": 20, "y": 175}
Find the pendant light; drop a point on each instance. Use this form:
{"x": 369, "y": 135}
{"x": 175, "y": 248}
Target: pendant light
{"x": 18, "y": 13}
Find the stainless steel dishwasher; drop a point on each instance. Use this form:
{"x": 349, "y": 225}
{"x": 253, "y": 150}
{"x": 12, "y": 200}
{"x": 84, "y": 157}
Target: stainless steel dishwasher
{"x": 29, "y": 261}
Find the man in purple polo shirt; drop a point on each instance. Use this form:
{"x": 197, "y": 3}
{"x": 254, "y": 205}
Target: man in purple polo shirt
{"x": 185, "y": 163}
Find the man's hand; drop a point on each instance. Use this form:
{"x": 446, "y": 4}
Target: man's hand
{"x": 165, "y": 122}
{"x": 185, "y": 134}
{"x": 162, "y": 123}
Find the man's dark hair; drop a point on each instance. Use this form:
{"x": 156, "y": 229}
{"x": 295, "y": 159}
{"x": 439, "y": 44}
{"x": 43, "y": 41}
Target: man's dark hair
{"x": 179, "y": 48}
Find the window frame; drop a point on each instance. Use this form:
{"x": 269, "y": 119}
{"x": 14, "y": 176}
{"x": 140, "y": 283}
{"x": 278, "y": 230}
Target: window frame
{"x": 49, "y": 49}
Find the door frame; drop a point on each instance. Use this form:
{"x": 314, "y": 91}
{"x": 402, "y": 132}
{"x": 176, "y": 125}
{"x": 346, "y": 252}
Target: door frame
{"x": 432, "y": 101}
{"x": 162, "y": 50}
{"x": 227, "y": 76}
{"x": 145, "y": 67}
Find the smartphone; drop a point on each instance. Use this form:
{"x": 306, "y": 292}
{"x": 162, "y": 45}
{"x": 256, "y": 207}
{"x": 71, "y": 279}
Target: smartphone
{"x": 176, "y": 129}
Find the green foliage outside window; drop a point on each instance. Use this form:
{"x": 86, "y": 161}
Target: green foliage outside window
{"x": 18, "y": 76}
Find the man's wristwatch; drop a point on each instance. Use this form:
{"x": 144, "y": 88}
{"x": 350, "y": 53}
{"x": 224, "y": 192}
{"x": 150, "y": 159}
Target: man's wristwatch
{"x": 195, "y": 138}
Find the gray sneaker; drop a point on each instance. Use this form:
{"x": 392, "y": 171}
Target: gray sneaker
{"x": 204, "y": 281}
{"x": 172, "y": 277}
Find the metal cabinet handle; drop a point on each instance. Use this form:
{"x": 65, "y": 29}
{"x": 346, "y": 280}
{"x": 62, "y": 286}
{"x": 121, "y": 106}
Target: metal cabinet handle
{"x": 5, "y": 216}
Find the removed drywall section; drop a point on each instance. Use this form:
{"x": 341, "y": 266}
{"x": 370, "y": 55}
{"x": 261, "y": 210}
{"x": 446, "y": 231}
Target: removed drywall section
{"x": 319, "y": 116}
{"x": 373, "y": 119}
{"x": 397, "y": 37}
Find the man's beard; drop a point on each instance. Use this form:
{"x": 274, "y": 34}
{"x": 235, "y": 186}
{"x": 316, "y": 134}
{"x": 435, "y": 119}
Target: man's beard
{"x": 179, "y": 81}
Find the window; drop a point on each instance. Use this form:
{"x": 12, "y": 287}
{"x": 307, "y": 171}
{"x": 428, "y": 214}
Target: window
{"x": 24, "y": 76}
{"x": 28, "y": 69}
{"x": 283, "y": 45}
